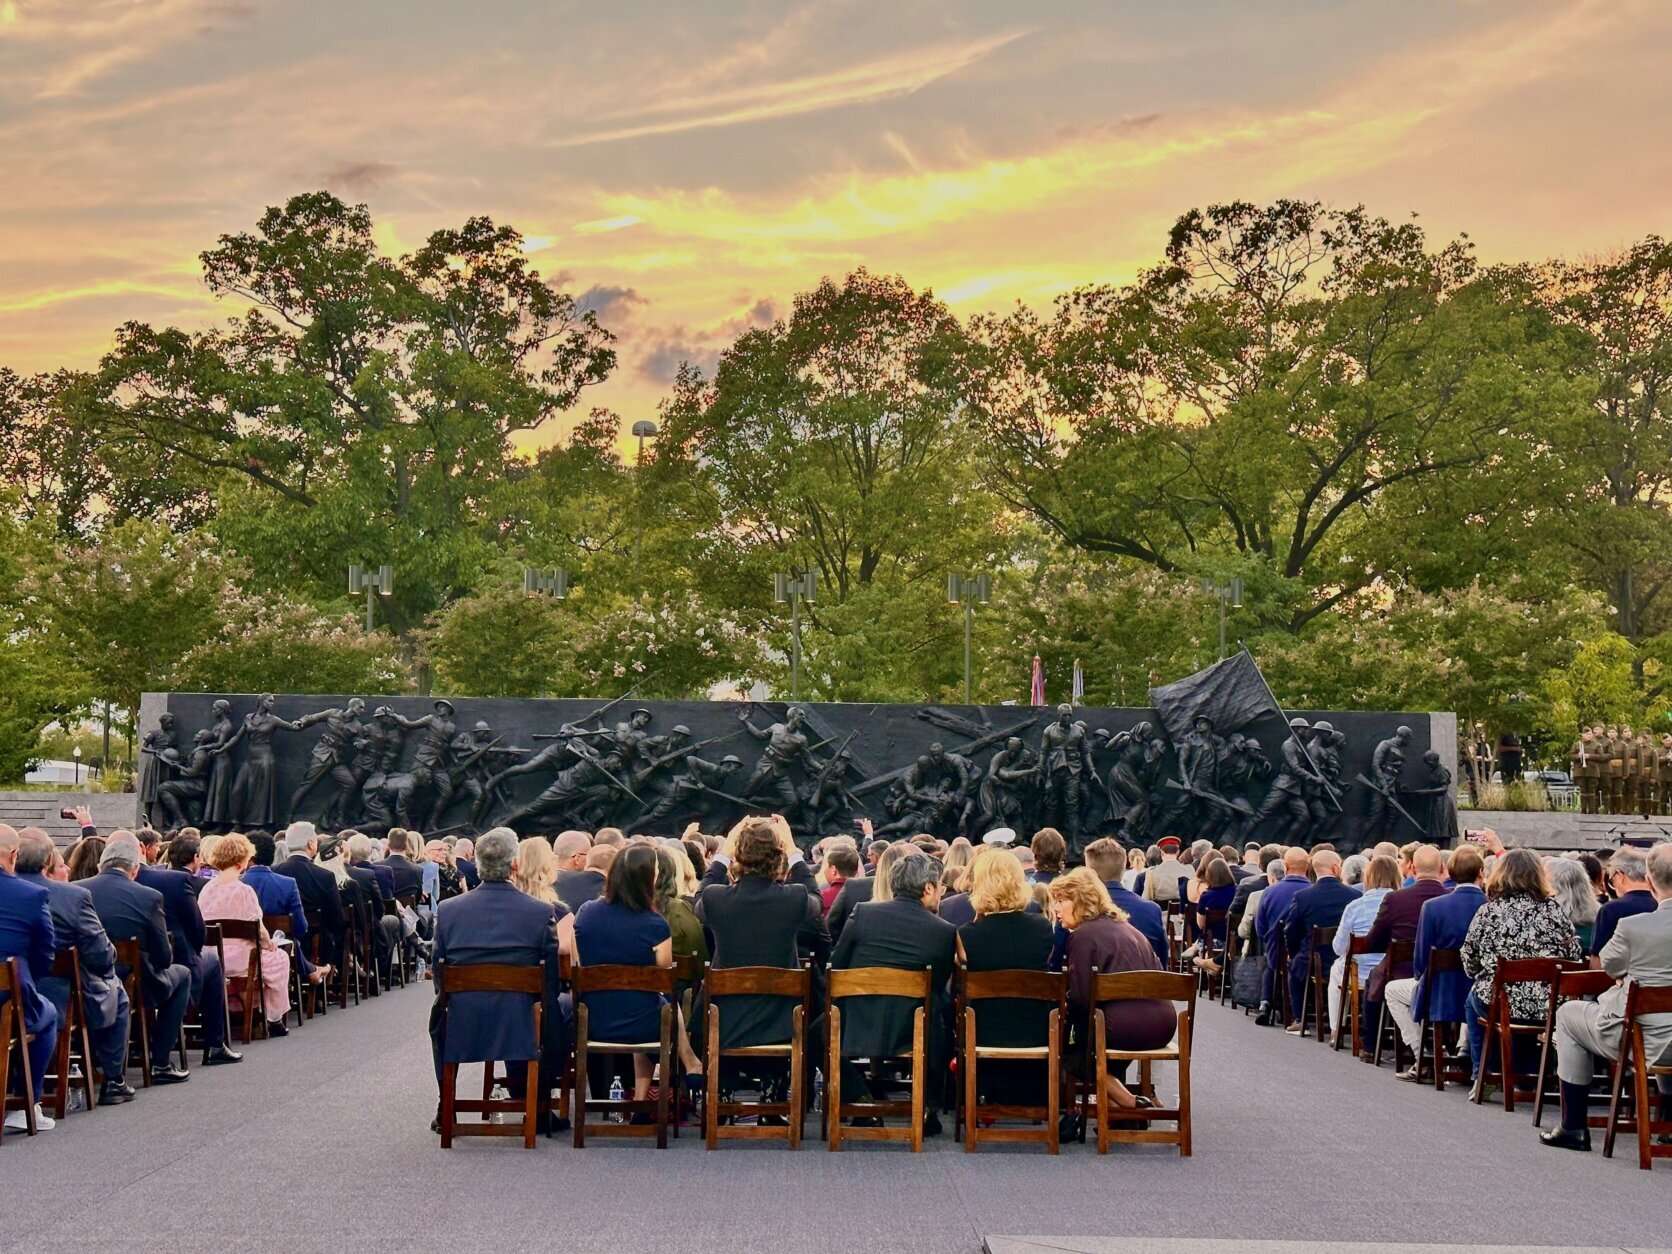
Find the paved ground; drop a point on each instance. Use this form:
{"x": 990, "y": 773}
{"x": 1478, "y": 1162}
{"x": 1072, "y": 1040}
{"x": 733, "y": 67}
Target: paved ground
{"x": 321, "y": 1142}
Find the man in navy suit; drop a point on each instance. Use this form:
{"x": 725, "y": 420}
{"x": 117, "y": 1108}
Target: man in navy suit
{"x": 1107, "y": 860}
{"x": 408, "y": 877}
{"x": 104, "y": 1001}
{"x": 1268, "y": 921}
{"x": 1319, "y": 905}
{"x": 26, "y": 934}
{"x": 1442, "y": 924}
{"x": 131, "y": 911}
{"x": 1627, "y": 878}
{"x": 318, "y": 889}
{"x": 498, "y": 923}
{"x": 278, "y": 894}
{"x": 377, "y": 890}
{"x": 186, "y": 936}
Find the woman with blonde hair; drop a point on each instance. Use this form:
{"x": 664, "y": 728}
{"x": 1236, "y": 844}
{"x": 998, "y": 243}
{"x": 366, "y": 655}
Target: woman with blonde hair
{"x": 959, "y": 854}
{"x": 228, "y": 897}
{"x": 534, "y": 876}
{"x": 1102, "y": 942}
{"x": 1136, "y": 865}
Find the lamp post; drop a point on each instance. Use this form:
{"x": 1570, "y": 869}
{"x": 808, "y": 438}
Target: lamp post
{"x": 552, "y": 583}
{"x": 1229, "y": 597}
{"x": 76, "y": 754}
{"x": 644, "y": 430}
{"x": 968, "y": 590}
{"x": 793, "y": 589}
{"x": 371, "y": 582}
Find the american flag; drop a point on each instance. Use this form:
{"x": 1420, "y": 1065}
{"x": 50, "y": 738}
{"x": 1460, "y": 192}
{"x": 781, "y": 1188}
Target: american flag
{"x": 1036, "y": 694}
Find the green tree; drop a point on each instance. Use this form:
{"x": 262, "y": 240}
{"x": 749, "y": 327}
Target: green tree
{"x": 274, "y": 644}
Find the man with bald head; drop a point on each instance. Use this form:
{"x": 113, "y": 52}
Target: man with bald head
{"x": 1318, "y": 905}
{"x": 1268, "y": 921}
{"x": 26, "y": 933}
{"x": 104, "y": 1002}
{"x": 1398, "y": 920}
{"x": 578, "y": 881}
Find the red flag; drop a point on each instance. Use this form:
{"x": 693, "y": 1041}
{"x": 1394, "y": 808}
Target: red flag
{"x": 1037, "y": 691}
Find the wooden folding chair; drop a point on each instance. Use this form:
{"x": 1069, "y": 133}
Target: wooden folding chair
{"x": 14, "y": 1036}
{"x": 782, "y": 982}
{"x": 1315, "y": 997}
{"x": 248, "y": 987}
{"x": 1641, "y": 1000}
{"x": 129, "y": 956}
{"x": 276, "y": 923}
{"x": 1142, "y": 986}
{"x": 1399, "y": 953}
{"x": 1352, "y": 993}
{"x": 1567, "y": 986}
{"x": 1433, "y": 1031}
{"x": 1215, "y": 948}
{"x": 875, "y": 982}
{"x": 74, "y": 1039}
{"x": 1040, "y": 986}
{"x": 452, "y": 979}
{"x": 1503, "y": 1030}
{"x": 624, "y": 979}
{"x": 1172, "y": 918}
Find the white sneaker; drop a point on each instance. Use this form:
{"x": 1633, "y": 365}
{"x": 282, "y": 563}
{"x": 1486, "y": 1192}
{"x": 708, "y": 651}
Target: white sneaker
{"x": 18, "y": 1121}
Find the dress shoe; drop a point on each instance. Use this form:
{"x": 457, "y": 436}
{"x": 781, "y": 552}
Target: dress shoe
{"x": 115, "y": 1092}
{"x": 931, "y": 1124}
{"x": 1263, "y": 1019}
{"x": 1566, "y": 1138}
{"x": 276, "y": 1027}
{"x": 865, "y": 1121}
{"x": 169, "y": 1074}
{"x": 220, "y": 1056}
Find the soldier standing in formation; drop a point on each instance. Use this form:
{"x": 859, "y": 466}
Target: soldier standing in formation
{"x": 1585, "y": 765}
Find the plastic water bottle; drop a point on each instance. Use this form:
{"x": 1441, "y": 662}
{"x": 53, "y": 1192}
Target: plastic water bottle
{"x": 77, "y": 1098}
{"x": 616, "y": 1095}
{"x": 818, "y": 1089}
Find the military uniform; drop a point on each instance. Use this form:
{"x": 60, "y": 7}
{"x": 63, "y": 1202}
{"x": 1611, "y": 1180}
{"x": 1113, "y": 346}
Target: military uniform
{"x": 1664, "y": 774}
{"x": 1648, "y": 774}
{"x": 1613, "y": 772}
{"x": 1585, "y": 766}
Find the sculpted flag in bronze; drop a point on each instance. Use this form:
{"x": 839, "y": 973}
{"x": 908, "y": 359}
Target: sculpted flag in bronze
{"x": 466, "y": 764}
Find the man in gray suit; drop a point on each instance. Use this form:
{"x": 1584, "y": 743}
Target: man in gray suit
{"x": 103, "y": 999}
{"x": 1640, "y": 951}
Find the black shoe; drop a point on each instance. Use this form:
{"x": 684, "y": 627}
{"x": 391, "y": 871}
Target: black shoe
{"x": 115, "y": 1092}
{"x": 1263, "y": 1019}
{"x": 1566, "y": 1138}
{"x": 931, "y": 1124}
{"x": 169, "y": 1074}
{"x": 865, "y": 1121}
{"x": 1068, "y": 1128}
{"x": 276, "y": 1027}
{"x": 220, "y": 1056}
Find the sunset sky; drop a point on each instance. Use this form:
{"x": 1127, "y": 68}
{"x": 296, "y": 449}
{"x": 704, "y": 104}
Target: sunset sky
{"x": 690, "y": 165}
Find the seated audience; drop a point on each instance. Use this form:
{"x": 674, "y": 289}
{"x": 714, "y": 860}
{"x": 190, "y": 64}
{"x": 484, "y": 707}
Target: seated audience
{"x": 576, "y": 883}
{"x": 1521, "y": 919}
{"x": 1443, "y": 924}
{"x": 873, "y": 887}
{"x": 673, "y": 905}
{"x": 1004, "y": 936}
{"x": 1397, "y": 921}
{"x": 280, "y": 894}
{"x": 1320, "y": 904}
{"x": 1105, "y": 859}
{"x": 1630, "y": 893}
{"x": 841, "y": 864}
{"x": 1575, "y": 895}
{"x": 1102, "y": 942}
{"x": 228, "y": 897}
{"x": 1380, "y": 878}
{"x": 1274, "y": 906}
{"x": 624, "y": 928}
{"x": 1213, "y": 888}
{"x": 187, "y": 938}
{"x": 1638, "y": 951}
{"x": 1161, "y": 880}
{"x": 26, "y": 933}
{"x": 83, "y": 859}
{"x": 1049, "y": 850}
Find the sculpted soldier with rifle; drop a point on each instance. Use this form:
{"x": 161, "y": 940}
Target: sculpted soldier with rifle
{"x": 691, "y": 793}
{"x": 1387, "y": 764}
{"x": 434, "y": 755}
{"x": 786, "y": 744}
{"x": 330, "y": 757}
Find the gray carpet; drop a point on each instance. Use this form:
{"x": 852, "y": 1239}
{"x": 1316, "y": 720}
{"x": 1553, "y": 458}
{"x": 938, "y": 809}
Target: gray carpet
{"x": 322, "y": 1142}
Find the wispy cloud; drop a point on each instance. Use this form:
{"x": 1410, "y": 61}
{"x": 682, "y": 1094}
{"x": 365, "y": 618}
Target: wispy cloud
{"x": 879, "y": 79}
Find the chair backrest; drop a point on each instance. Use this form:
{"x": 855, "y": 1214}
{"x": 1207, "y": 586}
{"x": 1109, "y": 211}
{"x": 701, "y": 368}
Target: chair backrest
{"x": 1401, "y": 951}
{"x": 1444, "y": 960}
{"x": 66, "y": 965}
{"x": 11, "y": 979}
{"x": 758, "y": 981}
{"x": 241, "y": 929}
{"x": 1016, "y": 985}
{"x": 880, "y": 982}
{"x": 1322, "y": 938}
{"x": 278, "y": 923}
{"x": 687, "y": 968}
{"x": 623, "y": 979}
{"x": 1648, "y": 999}
{"x": 1143, "y": 986}
{"x": 1359, "y": 945}
{"x": 490, "y": 977}
{"x": 1584, "y": 983}
{"x": 1530, "y": 971}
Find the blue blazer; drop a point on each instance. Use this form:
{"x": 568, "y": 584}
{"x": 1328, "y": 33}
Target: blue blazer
{"x": 1319, "y": 905}
{"x": 1443, "y": 924}
{"x": 185, "y": 920}
{"x": 26, "y": 934}
{"x": 278, "y": 894}
{"x": 75, "y": 922}
{"x": 495, "y": 923}
{"x": 1146, "y": 917}
{"x": 130, "y": 911}
{"x": 1274, "y": 905}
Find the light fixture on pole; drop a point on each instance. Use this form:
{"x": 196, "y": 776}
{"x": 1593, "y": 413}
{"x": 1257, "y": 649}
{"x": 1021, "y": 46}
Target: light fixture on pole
{"x": 552, "y": 583}
{"x": 1229, "y": 597}
{"x": 644, "y": 430}
{"x": 76, "y": 754}
{"x": 371, "y": 582}
{"x": 793, "y": 589}
{"x": 968, "y": 590}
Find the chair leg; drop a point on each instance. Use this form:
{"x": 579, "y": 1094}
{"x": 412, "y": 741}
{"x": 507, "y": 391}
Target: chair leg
{"x": 1615, "y": 1101}
{"x": 798, "y": 1075}
{"x": 449, "y": 1099}
{"x": 1641, "y": 1099}
{"x": 1100, "y": 1078}
{"x": 711, "y": 1115}
{"x": 1184, "y": 1089}
{"x": 919, "y": 1082}
{"x": 532, "y": 1101}
{"x": 582, "y": 1092}
{"x": 971, "y": 1110}
{"x": 833, "y": 1080}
